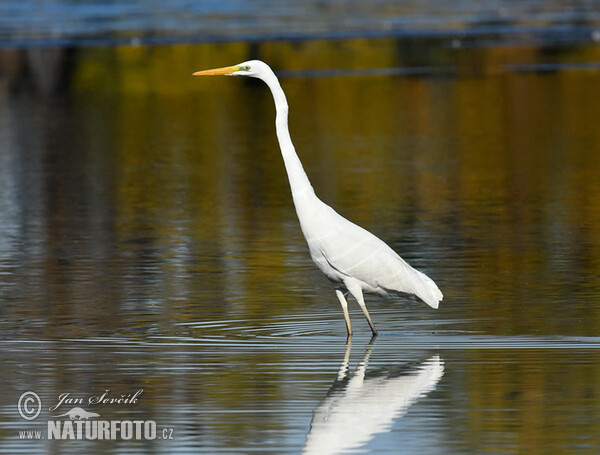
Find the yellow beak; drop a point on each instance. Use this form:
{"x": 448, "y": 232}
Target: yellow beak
{"x": 218, "y": 71}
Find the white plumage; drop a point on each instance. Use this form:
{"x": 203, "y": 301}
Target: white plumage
{"x": 352, "y": 258}
{"x": 361, "y": 405}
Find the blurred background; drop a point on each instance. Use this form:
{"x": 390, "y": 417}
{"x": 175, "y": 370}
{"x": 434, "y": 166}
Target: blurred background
{"x": 149, "y": 239}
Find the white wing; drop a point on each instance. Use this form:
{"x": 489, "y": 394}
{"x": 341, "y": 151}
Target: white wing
{"x": 342, "y": 249}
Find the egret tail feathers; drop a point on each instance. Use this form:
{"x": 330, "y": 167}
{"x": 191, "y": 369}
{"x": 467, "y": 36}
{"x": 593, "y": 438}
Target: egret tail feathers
{"x": 429, "y": 292}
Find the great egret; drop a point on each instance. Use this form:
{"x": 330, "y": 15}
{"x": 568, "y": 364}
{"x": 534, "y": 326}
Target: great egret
{"x": 352, "y": 258}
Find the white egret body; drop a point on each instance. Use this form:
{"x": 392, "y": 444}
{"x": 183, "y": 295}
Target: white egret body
{"x": 352, "y": 258}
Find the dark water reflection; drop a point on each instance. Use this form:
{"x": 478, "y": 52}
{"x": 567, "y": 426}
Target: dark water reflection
{"x": 149, "y": 242}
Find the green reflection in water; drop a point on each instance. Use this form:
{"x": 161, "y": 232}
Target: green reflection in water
{"x": 175, "y": 189}
{"x": 138, "y": 201}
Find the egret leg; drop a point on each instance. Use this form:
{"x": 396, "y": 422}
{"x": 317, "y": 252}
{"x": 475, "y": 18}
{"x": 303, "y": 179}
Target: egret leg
{"x": 342, "y": 299}
{"x": 362, "y": 366}
{"x": 343, "y": 371}
{"x": 356, "y": 292}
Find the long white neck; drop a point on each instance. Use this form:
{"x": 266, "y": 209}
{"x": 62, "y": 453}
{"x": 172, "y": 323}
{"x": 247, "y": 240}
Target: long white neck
{"x": 299, "y": 183}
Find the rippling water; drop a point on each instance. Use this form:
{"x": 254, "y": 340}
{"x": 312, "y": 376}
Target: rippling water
{"x": 66, "y": 23}
{"x": 403, "y": 392}
{"x": 149, "y": 242}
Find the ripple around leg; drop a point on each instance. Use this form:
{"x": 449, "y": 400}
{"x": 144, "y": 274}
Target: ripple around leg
{"x": 318, "y": 328}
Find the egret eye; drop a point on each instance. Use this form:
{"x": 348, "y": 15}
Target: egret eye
{"x": 245, "y": 68}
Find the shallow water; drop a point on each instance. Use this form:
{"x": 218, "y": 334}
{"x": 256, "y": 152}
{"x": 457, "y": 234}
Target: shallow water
{"x": 402, "y": 393}
{"x": 149, "y": 242}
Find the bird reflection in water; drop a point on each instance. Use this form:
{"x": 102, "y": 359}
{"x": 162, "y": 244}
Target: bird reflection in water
{"x": 359, "y": 405}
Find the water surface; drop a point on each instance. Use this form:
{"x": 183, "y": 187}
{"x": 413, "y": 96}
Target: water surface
{"x": 149, "y": 242}
{"x": 28, "y": 23}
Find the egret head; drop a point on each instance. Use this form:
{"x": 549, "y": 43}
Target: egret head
{"x": 252, "y": 68}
